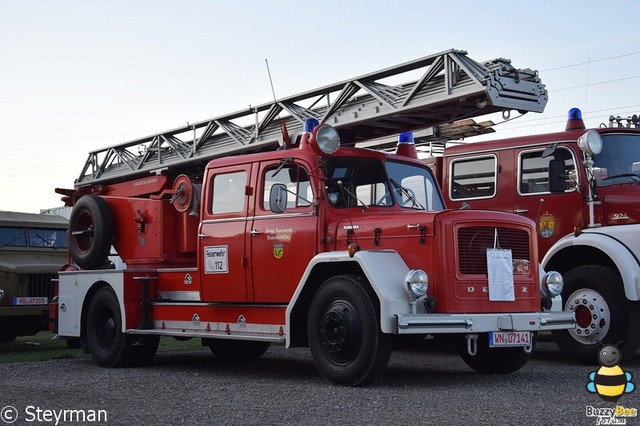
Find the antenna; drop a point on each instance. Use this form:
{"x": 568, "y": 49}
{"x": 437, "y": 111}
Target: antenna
{"x": 271, "y": 81}
{"x": 283, "y": 127}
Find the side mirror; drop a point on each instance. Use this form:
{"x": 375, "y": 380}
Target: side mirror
{"x": 557, "y": 176}
{"x": 278, "y": 198}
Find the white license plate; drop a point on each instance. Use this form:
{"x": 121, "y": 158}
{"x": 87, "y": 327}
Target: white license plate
{"x": 499, "y": 339}
{"x": 30, "y": 300}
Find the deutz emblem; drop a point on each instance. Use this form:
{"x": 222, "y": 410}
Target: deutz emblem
{"x": 187, "y": 279}
{"x": 278, "y": 251}
{"x": 195, "y": 319}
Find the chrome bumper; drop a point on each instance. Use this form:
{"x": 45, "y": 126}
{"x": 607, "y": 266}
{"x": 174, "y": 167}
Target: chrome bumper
{"x": 482, "y": 323}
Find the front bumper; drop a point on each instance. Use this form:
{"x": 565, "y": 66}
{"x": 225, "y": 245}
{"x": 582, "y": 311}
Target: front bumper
{"x": 482, "y": 323}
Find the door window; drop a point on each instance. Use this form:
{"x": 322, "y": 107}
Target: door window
{"x": 229, "y": 192}
{"x": 473, "y": 178}
{"x": 534, "y": 171}
{"x": 296, "y": 178}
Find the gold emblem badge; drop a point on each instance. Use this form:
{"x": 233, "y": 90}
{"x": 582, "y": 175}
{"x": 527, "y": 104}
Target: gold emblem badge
{"x": 278, "y": 251}
{"x": 547, "y": 224}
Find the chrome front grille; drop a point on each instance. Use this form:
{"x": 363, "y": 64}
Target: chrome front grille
{"x": 473, "y": 243}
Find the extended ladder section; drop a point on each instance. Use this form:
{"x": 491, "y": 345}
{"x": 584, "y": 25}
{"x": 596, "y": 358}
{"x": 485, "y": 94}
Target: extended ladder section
{"x": 440, "y": 88}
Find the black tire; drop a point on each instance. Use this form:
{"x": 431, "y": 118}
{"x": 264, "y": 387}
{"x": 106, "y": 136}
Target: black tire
{"x": 106, "y": 342}
{"x": 494, "y": 360}
{"x": 344, "y": 333}
{"x": 90, "y": 232}
{"x": 237, "y": 349}
{"x": 603, "y": 314}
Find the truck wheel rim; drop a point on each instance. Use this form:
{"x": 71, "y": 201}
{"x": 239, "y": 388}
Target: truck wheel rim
{"x": 106, "y": 329}
{"x": 340, "y": 332}
{"x": 593, "y": 316}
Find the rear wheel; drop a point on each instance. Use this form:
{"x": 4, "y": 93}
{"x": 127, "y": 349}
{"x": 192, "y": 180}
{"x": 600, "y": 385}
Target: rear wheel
{"x": 489, "y": 360}
{"x": 603, "y": 314}
{"x": 106, "y": 342}
{"x": 344, "y": 333}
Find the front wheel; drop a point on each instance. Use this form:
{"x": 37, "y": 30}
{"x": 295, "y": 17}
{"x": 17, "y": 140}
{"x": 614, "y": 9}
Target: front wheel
{"x": 603, "y": 314}
{"x": 489, "y": 360}
{"x": 344, "y": 333}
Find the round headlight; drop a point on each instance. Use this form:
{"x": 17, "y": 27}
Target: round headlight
{"x": 553, "y": 284}
{"x": 590, "y": 142}
{"x": 327, "y": 139}
{"x": 417, "y": 283}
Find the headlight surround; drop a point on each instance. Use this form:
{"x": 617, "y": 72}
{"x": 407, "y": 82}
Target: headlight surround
{"x": 327, "y": 139}
{"x": 590, "y": 142}
{"x": 552, "y": 284}
{"x": 416, "y": 283}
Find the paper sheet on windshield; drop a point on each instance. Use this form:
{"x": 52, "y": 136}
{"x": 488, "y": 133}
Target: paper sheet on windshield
{"x": 500, "y": 275}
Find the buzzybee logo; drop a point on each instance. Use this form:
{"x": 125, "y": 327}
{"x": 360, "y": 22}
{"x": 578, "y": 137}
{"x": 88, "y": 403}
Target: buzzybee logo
{"x": 610, "y": 382}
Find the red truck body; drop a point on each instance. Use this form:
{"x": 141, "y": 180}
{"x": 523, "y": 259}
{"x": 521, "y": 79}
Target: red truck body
{"x": 317, "y": 243}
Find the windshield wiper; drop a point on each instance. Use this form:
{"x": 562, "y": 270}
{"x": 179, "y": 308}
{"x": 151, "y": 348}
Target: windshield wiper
{"x": 338, "y": 185}
{"x": 633, "y": 175}
{"x": 10, "y": 242}
{"x": 407, "y": 193}
{"x": 49, "y": 244}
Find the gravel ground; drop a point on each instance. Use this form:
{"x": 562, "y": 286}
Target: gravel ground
{"x": 426, "y": 386}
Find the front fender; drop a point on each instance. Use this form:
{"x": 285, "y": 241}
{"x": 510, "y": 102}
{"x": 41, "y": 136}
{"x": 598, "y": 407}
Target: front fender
{"x": 620, "y": 244}
{"x": 385, "y": 270}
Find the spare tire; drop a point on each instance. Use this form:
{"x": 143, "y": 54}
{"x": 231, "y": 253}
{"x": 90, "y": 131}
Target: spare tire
{"x": 90, "y": 232}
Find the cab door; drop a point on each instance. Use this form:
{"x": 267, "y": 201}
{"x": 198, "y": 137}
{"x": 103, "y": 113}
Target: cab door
{"x": 555, "y": 215}
{"x": 222, "y": 256}
{"x": 282, "y": 244}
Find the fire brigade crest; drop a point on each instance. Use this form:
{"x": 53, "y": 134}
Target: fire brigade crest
{"x": 547, "y": 223}
{"x": 278, "y": 251}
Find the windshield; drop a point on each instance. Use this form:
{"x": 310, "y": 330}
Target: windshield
{"x": 413, "y": 187}
{"x": 619, "y": 161}
{"x": 367, "y": 182}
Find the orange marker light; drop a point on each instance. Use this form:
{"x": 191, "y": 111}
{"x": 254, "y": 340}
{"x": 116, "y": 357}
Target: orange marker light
{"x": 352, "y": 249}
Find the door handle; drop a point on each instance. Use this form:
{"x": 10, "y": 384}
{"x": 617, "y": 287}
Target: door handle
{"x": 254, "y": 232}
{"x": 521, "y": 210}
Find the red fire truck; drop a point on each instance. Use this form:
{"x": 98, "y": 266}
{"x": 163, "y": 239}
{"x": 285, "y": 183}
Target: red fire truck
{"x": 248, "y": 230}
{"x": 581, "y": 188}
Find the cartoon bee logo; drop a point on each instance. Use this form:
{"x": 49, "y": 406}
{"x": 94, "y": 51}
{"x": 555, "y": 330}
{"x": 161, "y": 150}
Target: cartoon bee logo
{"x": 610, "y": 382}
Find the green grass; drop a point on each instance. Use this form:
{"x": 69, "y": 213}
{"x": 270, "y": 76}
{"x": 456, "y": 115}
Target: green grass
{"x": 42, "y": 347}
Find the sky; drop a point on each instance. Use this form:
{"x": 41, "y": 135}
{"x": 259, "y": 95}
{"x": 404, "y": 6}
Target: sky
{"x": 77, "y": 76}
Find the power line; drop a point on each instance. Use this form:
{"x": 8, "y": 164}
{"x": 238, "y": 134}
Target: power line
{"x": 591, "y": 62}
{"x": 596, "y": 84}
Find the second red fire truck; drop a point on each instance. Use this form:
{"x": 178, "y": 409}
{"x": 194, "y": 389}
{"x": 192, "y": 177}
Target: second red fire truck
{"x": 581, "y": 188}
{"x": 247, "y": 230}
